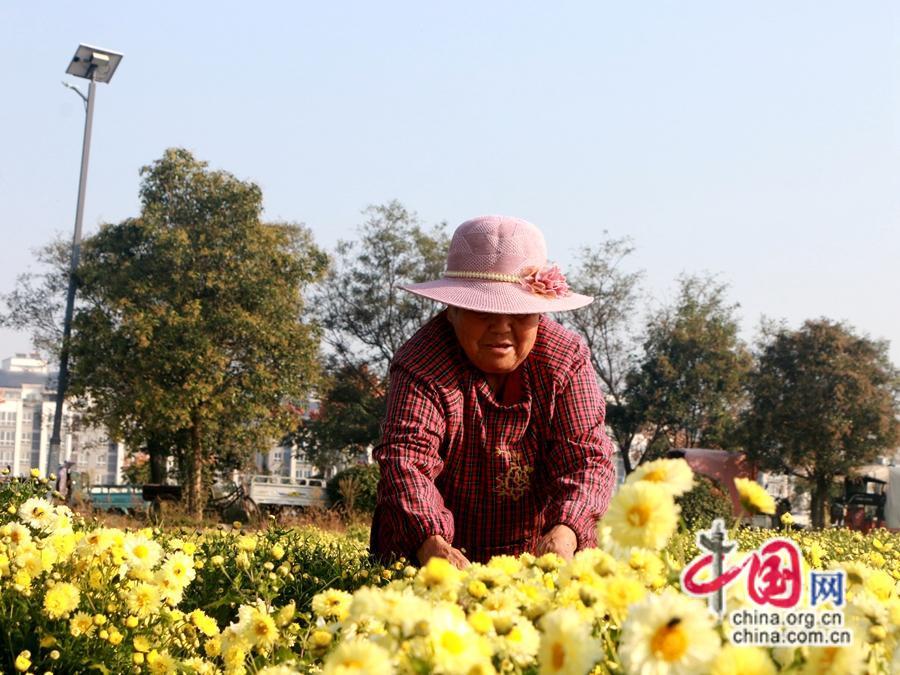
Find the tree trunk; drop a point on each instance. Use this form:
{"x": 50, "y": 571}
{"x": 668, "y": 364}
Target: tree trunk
{"x": 818, "y": 500}
{"x": 194, "y": 486}
{"x": 625, "y": 451}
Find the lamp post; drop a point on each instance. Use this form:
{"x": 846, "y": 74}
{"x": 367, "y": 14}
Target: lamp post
{"x": 95, "y": 65}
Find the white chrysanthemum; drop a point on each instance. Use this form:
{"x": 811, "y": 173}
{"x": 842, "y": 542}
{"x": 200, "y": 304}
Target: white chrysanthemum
{"x": 567, "y": 646}
{"x": 178, "y": 568}
{"x": 368, "y": 601}
{"x": 668, "y": 634}
{"x": 673, "y": 474}
{"x": 140, "y": 552}
{"x": 37, "y": 512}
{"x": 642, "y": 514}
{"x": 521, "y": 643}
{"x": 406, "y": 612}
{"x": 17, "y": 535}
{"x": 358, "y": 657}
{"x": 865, "y": 611}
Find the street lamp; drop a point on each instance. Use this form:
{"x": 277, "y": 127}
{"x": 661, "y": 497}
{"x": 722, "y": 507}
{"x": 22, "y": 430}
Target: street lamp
{"x": 95, "y": 65}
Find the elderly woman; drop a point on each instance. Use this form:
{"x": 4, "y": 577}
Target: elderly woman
{"x": 493, "y": 442}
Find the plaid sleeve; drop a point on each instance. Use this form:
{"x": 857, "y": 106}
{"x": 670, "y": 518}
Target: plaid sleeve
{"x": 409, "y": 506}
{"x": 580, "y": 469}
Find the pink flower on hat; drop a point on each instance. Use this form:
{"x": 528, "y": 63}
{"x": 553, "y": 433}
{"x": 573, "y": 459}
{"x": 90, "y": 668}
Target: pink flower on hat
{"x": 547, "y": 281}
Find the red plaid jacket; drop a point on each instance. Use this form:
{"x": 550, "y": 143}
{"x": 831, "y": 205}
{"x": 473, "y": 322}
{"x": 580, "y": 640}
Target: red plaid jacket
{"x": 490, "y": 477}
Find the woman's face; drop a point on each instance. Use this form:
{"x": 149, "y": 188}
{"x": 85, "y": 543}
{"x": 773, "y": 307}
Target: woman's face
{"x": 495, "y": 343}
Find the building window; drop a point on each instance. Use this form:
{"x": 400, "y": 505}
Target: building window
{"x": 7, "y": 438}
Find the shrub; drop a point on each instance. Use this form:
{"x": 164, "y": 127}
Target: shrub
{"x": 354, "y": 488}
{"x": 704, "y": 503}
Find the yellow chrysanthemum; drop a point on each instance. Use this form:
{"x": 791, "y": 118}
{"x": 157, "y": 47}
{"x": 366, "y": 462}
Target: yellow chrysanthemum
{"x": 23, "y": 661}
{"x": 846, "y": 660}
{"x": 754, "y": 497}
{"x": 60, "y": 600}
{"x": 880, "y": 584}
{"x": 205, "y": 624}
{"x": 734, "y": 660}
{"x": 332, "y": 604}
{"x": 143, "y": 599}
{"x": 506, "y": 563}
{"x": 80, "y": 624}
{"x": 161, "y": 663}
{"x": 141, "y": 644}
{"x": 649, "y": 566}
{"x": 642, "y": 514}
{"x": 672, "y": 474}
{"x": 668, "y": 633}
{"x": 618, "y": 594}
{"x": 258, "y": 628}
{"x": 358, "y": 657}
{"x": 455, "y": 646}
{"x": 438, "y": 579}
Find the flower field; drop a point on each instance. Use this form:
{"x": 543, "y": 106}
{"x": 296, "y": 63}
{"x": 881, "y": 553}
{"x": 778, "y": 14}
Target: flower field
{"x": 79, "y": 597}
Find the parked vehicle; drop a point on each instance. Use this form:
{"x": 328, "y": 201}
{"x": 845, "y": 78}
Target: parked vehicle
{"x": 122, "y": 499}
{"x": 229, "y": 501}
{"x": 275, "y": 493}
{"x": 870, "y": 499}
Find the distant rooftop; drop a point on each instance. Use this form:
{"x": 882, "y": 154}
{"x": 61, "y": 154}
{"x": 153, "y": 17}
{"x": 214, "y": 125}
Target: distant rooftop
{"x": 25, "y": 369}
{"x": 32, "y": 363}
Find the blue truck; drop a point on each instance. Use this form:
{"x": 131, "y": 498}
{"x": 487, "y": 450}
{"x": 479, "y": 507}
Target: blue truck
{"x": 116, "y": 498}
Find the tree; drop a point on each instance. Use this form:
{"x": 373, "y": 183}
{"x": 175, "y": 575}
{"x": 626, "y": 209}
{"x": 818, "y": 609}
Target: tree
{"x": 365, "y": 316}
{"x": 190, "y": 335}
{"x": 366, "y": 319}
{"x": 822, "y": 400}
{"x": 38, "y": 301}
{"x": 607, "y": 327}
{"x": 687, "y": 390}
{"x": 348, "y": 420}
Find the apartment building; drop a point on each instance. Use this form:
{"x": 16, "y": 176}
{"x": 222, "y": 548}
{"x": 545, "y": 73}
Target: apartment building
{"x": 27, "y": 407}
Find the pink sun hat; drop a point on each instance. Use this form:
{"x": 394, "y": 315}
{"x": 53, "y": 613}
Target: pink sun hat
{"x": 498, "y": 265}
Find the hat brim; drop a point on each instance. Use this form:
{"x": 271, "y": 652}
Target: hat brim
{"x": 494, "y": 297}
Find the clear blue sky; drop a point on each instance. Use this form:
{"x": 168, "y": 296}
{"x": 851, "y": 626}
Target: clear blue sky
{"x": 756, "y": 140}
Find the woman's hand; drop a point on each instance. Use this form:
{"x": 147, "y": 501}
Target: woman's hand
{"x": 561, "y": 540}
{"x": 437, "y": 546}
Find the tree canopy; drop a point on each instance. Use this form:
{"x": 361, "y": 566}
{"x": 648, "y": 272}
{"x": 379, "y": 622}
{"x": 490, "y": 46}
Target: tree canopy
{"x": 608, "y": 327}
{"x": 190, "y": 335}
{"x": 366, "y": 318}
{"x": 687, "y": 390}
{"x": 365, "y": 315}
{"x": 822, "y": 400}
